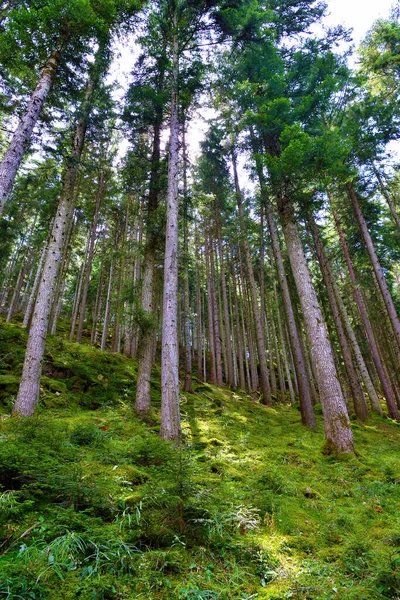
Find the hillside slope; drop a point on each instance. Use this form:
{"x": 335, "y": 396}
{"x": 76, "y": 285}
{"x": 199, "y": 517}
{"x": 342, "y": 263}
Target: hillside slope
{"x": 95, "y": 506}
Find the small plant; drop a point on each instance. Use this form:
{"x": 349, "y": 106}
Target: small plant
{"x": 72, "y": 551}
{"x": 266, "y": 567}
{"x": 87, "y": 435}
{"x": 245, "y": 518}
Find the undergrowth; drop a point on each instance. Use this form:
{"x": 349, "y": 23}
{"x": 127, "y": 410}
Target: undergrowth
{"x": 93, "y": 505}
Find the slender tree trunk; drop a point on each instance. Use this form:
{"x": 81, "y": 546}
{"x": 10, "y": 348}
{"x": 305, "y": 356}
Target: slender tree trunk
{"x": 90, "y": 256}
{"x": 229, "y": 374}
{"x": 383, "y": 287}
{"x": 28, "y": 394}
{"x": 336, "y": 421}
{"x": 60, "y": 283}
{"x": 239, "y": 331}
{"x": 254, "y": 384}
{"x": 22, "y": 135}
{"x": 264, "y": 375}
{"x": 360, "y": 405}
{"x": 215, "y": 316}
{"x": 32, "y": 297}
{"x": 303, "y": 382}
{"x": 186, "y": 300}
{"x": 17, "y": 290}
{"x": 385, "y": 194}
{"x": 170, "y": 409}
{"x": 307, "y": 414}
{"x": 77, "y": 298}
{"x": 97, "y": 306}
{"x": 284, "y": 352}
{"x": 369, "y": 386}
{"x": 240, "y": 340}
{"x": 200, "y": 375}
{"x": 146, "y": 333}
{"x": 281, "y": 378}
{"x": 116, "y": 339}
{"x": 106, "y": 321}
{"x": 211, "y": 337}
{"x": 386, "y": 387}
{"x": 23, "y": 301}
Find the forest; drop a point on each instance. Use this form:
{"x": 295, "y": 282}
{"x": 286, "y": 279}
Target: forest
{"x": 199, "y": 302}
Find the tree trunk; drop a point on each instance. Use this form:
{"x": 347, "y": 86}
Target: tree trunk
{"x": 229, "y": 371}
{"x": 28, "y": 394}
{"x": 22, "y": 135}
{"x": 386, "y": 387}
{"x": 303, "y": 382}
{"x": 90, "y": 256}
{"x": 106, "y": 321}
{"x": 146, "y": 333}
{"x": 211, "y": 337}
{"x": 360, "y": 405}
{"x": 385, "y": 194}
{"x": 307, "y": 414}
{"x": 170, "y": 409}
{"x": 215, "y": 316}
{"x": 281, "y": 379}
{"x": 200, "y": 375}
{"x": 369, "y": 386}
{"x": 284, "y": 352}
{"x": 187, "y": 387}
{"x": 77, "y": 298}
{"x": 336, "y": 421}
{"x": 264, "y": 375}
{"x": 32, "y": 297}
{"x": 97, "y": 306}
{"x": 17, "y": 290}
{"x": 386, "y": 296}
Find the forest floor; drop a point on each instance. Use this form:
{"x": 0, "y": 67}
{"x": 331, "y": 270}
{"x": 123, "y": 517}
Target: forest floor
{"x": 93, "y": 505}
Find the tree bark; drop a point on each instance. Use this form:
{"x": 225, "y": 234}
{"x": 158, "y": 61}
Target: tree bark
{"x": 146, "y": 332}
{"x": 303, "y": 383}
{"x": 17, "y": 289}
{"x": 90, "y": 256}
{"x": 383, "y": 287}
{"x": 388, "y": 199}
{"x": 264, "y": 375}
{"x": 199, "y": 344}
{"x": 32, "y": 297}
{"x": 187, "y": 387}
{"x": 284, "y": 352}
{"x": 336, "y": 421}
{"x": 170, "y": 409}
{"x": 386, "y": 387}
{"x": 22, "y": 135}
{"x": 28, "y": 394}
{"x": 106, "y": 321}
{"x": 211, "y": 337}
{"x": 369, "y": 386}
{"x": 229, "y": 374}
{"x": 360, "y": 405}
{"x": 215, "y": 316}
{"x": 239, "y": 332}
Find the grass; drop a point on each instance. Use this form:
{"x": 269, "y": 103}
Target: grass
{"x": 93, "y": 505}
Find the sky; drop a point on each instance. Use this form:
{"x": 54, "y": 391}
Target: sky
{"x": 358, "y": 14}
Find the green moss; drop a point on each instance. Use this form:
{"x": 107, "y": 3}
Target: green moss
{"x": 248, "y": 506}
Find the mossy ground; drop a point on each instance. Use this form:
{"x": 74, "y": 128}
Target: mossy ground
{"x": 95, "y": 506}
